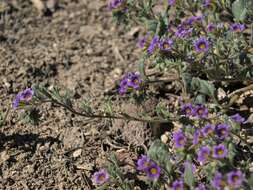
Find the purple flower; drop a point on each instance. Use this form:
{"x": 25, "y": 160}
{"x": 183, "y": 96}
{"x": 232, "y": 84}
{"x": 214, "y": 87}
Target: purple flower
{"x": 123, "y": 86}
{"x": 101, "y": 177}
{"x": 235, "y": 178}
{"x": 178, "y": 185}
{"x": 203, "y": 154}
{"x": 165, "y": 45}
{"x": 237, "y": 118}
{"x": 171, "y": 2}
{"x": 114, "y": 4}
{"x": 201, "y": 45}
{"x": 207, "y": 3}
{"x": 200, "y": 111}
{"x": 237, "y": 27}
{"x": 154, "y": 42}
{"x": 220, "y": 151}
{"x": 24, "y": 97}
{"x": 187, "y": 109}
{"x": 135, "y": 81}
{"x": 183, "y": 32}
{"x": 222, "y": 131}
{"x": 129, "y": 82}
{"x": 207, "y": 130}
{"x": 211, "y": 27}
{"x": 143, "y": 163}
{"x": 193, "y": 19}
{"x": 179, "y": 139}
{"x": 27, "y": 95}
{"x": 153, "y": 171}
{"x": 16, "y": 101}
{"x": 200, "y": 187}
{"x": 196, "y": 136}
{"x": 217, "y": 181}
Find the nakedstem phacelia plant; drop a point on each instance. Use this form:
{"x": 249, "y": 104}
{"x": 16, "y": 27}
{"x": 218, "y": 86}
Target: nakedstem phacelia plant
{"x": 202, "y": 154}
{"x": 202, "y": 37}
{"x": 203, "y": 42}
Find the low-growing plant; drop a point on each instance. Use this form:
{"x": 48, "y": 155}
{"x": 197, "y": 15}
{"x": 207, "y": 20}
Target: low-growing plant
{"x": 204, "y": 43}
{"x": 210, "y": 39}
{"x": 207, "y": 151}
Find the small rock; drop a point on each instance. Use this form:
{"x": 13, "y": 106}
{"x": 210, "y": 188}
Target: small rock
{"x": 38, "y": 4}
{"x": 221, "y": 94}
{"x": 77, "y": 153}
{"x": 4, "y": 157}
{"x": 165, "y": 137}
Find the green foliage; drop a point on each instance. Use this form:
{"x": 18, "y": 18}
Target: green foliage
{"x": 241, "y": 9}
{"x": 116, "y": 174}
{"x": 203, "y": 87}
{"x": 189, "y": 176}
{"x": 32, "y": 116}
{"x": 86, "y": 107}
{"x": 160, "y": 153}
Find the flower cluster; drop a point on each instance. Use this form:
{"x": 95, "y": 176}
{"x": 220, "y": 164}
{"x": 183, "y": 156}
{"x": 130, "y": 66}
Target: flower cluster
{"x": 163, "y": 44}
{"x": 234, "y": 180}
{"x": 198, "y": 111}
{"x": 23, "y": 97}
{"x": 219, "y": 152}
{"x": 151, "y": 169}
{"x": 237, "y": 27}
{"x": 130, "y": 82}
{"x": 197, "y": 41}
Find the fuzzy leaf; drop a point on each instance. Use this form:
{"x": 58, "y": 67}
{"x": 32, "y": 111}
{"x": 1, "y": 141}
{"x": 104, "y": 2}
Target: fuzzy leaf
{"x": 203, "y": 86}
{"x": 239, "y": 9}
{"x": 142, "y": 68}
{"x": 160, "y": 153}
{"x": 151, "y": 25}
{"x": 188, "y": 175}
{"x": 231, "y": 152}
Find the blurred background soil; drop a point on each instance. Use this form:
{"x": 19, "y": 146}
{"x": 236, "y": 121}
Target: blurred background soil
{"x": 71, "y": 44}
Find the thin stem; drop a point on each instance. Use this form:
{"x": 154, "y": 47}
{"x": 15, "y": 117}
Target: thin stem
{"x": 244, "y": 141}
{"x": 6, "y": 114}
{"x": 241, "y": 90}
{"x": 163, "y": 80}
{"x": 123, "y": 117}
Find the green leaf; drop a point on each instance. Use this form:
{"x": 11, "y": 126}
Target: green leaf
{"x": 187, "y": 78}
{"x": 200, "y": 99}
{"x": 32, "y": 116}
{"x": 204, "y": 87}
{"x": 103, "y": 187}
{"x": 151, "y": 25}
{"x": 240, "y": 9}
{"x": 163, "y": 19}
{"x": 188, "y": 175}
{"x": 160, "y": 153}
{"x": 142, "y": 68}
{"x": 250, "y": 181}
{"x": 231, "y": 152}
